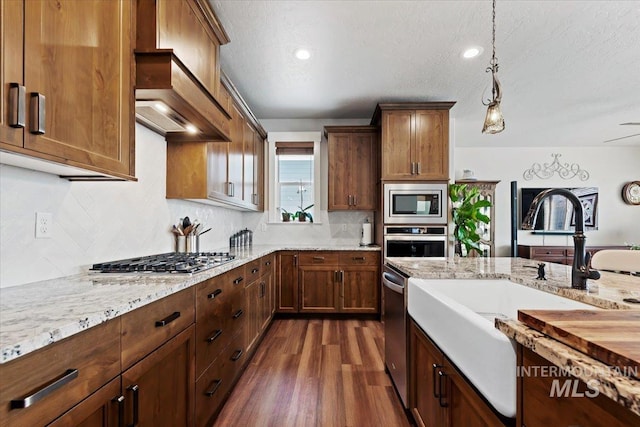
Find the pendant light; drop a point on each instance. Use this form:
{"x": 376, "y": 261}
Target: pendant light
{"x": 494, "y": 122}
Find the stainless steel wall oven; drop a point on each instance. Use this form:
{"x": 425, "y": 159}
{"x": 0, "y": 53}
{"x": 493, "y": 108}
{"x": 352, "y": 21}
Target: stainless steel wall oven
{"x": 415, "y": 241}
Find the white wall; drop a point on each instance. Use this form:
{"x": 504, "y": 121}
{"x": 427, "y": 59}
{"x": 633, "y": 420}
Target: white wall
{"x": 609, "y": 169}
{"x": 96, "y": 221}
{"x": 333, "y": 227}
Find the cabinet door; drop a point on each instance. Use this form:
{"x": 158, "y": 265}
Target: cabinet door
{"x": 363, "y": 170}
{"x": 360, "y": 285}
{"x": 253, "y": 322}
{"x": 287, "y": 292}
{"x": 236, "y": 149}
{"x": 11, "y": 60}
{"x": 78, "y": 55}
{"x": 397, "y": 144}
{"x": 258, "y": 171}
{"x": 432, "y": 144}
{"x": 217, "y": 167}
{"x": 319, "y": 290}
{"x": 340, "y": 162}
{"x": 159, "y": 388}
{"x": 104, "y": 408}
{"x": 248, "y": 181}
{"x": 424, "y": 382}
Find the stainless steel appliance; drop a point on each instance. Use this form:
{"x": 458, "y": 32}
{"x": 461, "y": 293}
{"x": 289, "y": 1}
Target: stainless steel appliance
{"x": 395, "y": 328}
{"x": 415, "y": 241}
{"x": 172, "y": 262}
{"x": 415, "y": 203}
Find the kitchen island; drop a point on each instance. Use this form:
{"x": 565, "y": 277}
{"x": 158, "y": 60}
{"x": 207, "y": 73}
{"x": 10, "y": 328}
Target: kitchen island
{"x": 607, "y": 293}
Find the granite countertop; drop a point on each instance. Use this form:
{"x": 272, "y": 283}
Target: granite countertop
{"x": 607, "y": 293}
{"x": 35, "y": 315}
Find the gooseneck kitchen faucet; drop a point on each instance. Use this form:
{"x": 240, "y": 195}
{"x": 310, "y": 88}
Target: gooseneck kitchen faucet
{"x": 580, "y": 270}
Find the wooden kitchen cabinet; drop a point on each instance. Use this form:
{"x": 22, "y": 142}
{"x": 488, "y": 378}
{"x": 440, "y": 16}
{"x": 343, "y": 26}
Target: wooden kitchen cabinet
{"x": 159, "y": 388}
{"x": 438, "y": 394}
{"x": 557, "y": 254}
{"x": 104, "y": 408}
{"x": 78, "y": 56}
{"x": 353, "y": 167}
{"x": 360, "y": 276}
{"x": 536, "y": 408}
{"x": 422, "y": 131}
{"x": 287, "y": 282}
{"x": 83, "y": 362}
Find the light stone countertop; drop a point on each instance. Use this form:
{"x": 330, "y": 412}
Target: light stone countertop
{"x": 607, "y": 292}
{"x": 35, "y": 315}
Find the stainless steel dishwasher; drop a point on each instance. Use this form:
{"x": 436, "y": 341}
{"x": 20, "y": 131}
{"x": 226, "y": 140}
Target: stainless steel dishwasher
{"x": 395, "y": 328}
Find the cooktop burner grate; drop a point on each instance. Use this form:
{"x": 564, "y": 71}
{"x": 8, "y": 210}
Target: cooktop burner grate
{"x": 172, "y": 262}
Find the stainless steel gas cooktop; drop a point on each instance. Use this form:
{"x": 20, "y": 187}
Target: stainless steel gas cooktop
{"x": 172, "y": 262}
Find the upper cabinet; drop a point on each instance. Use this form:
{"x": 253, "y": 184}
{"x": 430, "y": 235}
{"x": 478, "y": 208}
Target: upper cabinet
{"x": 353, "y": 167}
{"x": 420, "y": 130}
{"x": 178, "y": 71}
{"x": 228, "y": 173}
{"x": 67, "y": 87}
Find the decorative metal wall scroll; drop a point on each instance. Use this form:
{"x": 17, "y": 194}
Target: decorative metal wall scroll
{"x": 565, "y": 171}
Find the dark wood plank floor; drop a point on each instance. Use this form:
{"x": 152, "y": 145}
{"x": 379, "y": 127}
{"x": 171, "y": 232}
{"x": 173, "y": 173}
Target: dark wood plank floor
{"x": 316, "y": 372}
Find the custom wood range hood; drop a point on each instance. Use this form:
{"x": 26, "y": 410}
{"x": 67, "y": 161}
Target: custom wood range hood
{"x": 178, "y": 72}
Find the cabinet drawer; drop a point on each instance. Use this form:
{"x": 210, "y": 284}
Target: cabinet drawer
{"x": 94, "y": 354}
{"x": 252, "y": 270}
{"x": 268, "y": 264}
{"x": 213, "y": 386}
{"x": 548, "y": 252}
{"x": 319, "y": 258}
{"x": 148, "y": 327}
{"x": 359, "y": 258}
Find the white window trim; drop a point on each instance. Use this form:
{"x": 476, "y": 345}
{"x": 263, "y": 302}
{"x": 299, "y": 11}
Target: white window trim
{"x": 272, "y": 138}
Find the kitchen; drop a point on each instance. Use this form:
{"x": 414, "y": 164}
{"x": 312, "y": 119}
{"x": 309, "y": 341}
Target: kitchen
{"x": 91, "y": 219}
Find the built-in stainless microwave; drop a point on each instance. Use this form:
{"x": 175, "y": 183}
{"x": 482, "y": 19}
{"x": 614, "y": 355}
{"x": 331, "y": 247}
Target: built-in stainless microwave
{"x": 415, "y": 203}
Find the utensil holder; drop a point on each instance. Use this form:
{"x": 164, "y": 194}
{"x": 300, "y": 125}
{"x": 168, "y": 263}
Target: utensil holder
{"x": 181, "y": 244}
{"x": 192, "y": 243}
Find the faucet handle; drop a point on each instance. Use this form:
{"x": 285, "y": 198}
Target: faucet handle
{"x": 591, "y": 274}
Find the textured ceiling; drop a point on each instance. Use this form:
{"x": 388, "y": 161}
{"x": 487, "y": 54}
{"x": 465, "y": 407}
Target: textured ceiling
{"x": 570, "y": 70}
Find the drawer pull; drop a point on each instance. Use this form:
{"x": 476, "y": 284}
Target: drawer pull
{"x": 215, "y": 335}
{"x": 238, "y": 280}
{"x": 120, "y": 402}
{"x": 17, "y": 109}
{"x": 136, "y": 404}
{"x": 168, "y": 319}
{"x": 212, "y": 391}
{"x": 318, "y": 258}
{"x": 358, "y": 258}
{"x": 267, "y": 263}
{"x": 236, "y": 355}
{"x": 25, "y": 402}
{"x": 433, "y": 372}
{"x": 255, "y": 270}
{"x": 214, "y": 294}
{"x": 238, "y": 314}
{"x": 440, "y": 394}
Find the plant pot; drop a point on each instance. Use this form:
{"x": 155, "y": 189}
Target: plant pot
{"x": 286, "y": 217}
{"x": 302, "y": 218}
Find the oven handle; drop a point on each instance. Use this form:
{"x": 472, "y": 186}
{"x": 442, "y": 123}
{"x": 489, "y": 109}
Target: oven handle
{"x": 391, "y": 285}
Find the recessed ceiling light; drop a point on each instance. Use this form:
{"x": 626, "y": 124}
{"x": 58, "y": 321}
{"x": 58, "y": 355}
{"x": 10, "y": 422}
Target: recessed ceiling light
{"x": 303, "y": 54}
{"x": 161, "y": 107}
{"x": 191, "y": 128}
{"x": 472, "y": 52}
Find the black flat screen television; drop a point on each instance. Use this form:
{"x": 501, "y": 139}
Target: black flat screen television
{"x": 556, "y": 213}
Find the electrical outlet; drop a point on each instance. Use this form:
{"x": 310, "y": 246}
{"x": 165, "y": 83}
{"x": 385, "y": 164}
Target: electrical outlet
{"x": 344, "y": 227}
{"x": 44, "y": 225}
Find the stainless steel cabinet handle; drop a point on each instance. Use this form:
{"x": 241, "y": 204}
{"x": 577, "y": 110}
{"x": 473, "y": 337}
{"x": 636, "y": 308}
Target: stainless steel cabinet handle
{"x": 418, "y": 169}
{"x": 50, "y": 387}
{"x": 238, "y": 280}
{"x": 413, "y": 168}
{"x": 37, "y": 116}
{"x": 349, "y": 200}
{"x": 17, "y": 105}
{"x": 136, "y": 404}
{"x": 170, "y": 318}
{"x": 214, "y": 294}
{"x": 119, "y": 400}
{"x": 341, "y": 276}
{"x": 358, "y": 258}
{"x": 355, "y": 200}
{"x": 238, "y": 314}
{"x": 254, "y": 270}
{"x": 318, "y": 258}
{"x": 215, "y": 336}
{"x": 212, "y": 390}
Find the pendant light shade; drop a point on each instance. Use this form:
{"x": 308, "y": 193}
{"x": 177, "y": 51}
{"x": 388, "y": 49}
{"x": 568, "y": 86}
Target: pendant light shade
{"x": 494, "y": 121}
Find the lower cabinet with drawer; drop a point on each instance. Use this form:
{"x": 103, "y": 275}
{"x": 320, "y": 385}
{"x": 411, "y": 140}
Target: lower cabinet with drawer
{"x": 37, "y": 388}
{"x": 339, "y": 282}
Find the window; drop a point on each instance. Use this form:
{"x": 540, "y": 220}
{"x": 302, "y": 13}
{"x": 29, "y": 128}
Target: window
{"x": 293, "y": 172}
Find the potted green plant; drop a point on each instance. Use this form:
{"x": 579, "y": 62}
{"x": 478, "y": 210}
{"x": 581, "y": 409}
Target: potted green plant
{"x": 302, "y": 214}
{"x": 286, "y": 215}
{"x": 466, "y": 214}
